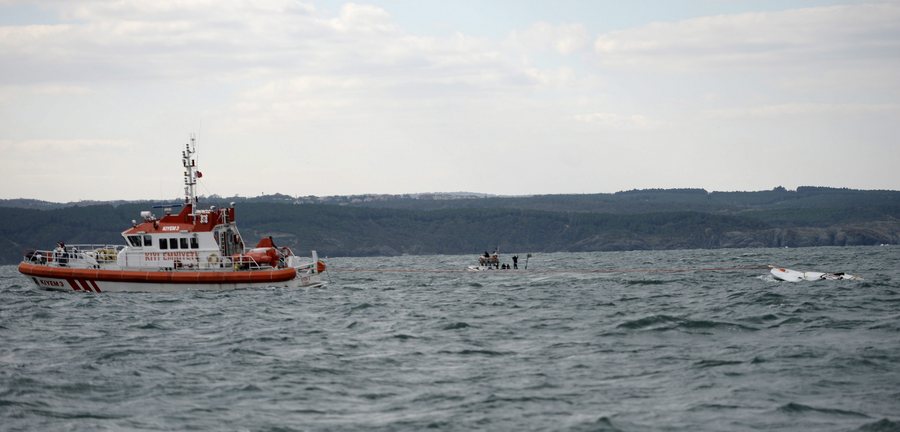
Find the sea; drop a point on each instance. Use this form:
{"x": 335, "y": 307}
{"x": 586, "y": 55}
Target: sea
{"x": 685, "y": 340}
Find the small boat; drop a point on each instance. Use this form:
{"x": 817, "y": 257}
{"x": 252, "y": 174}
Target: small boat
{"x": 789, "y": 275}
{"x": 195, "y": 249}
{"x": 492, "y": 262}
{"x": 486, "y": 262}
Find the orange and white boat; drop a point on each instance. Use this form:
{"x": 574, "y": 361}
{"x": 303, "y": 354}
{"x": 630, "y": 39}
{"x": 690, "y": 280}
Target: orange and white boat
{"x": 195, "y": 249}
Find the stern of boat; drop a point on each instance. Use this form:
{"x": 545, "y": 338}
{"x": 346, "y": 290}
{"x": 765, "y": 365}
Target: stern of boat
{"x": 310, "y": 272}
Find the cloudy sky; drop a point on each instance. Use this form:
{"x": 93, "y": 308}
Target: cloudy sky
{"x": 510, "y": 97}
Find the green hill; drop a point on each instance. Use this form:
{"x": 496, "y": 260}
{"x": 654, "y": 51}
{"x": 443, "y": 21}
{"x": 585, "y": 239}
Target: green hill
{"x": 393, "y": 225}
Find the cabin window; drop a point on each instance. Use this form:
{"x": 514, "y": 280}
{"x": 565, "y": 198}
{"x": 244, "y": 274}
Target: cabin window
{"x": 134, "y": 241}
{"x": 163, "y": 244}
{"x": 182, "y": 242}
{"x": 173, "y": 243}
{"x": 194, "y": 243}
{"x": 148, "y": 240}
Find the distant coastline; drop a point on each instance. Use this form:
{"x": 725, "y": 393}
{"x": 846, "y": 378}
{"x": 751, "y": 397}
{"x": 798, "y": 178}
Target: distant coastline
{"x": 458, "y": 223}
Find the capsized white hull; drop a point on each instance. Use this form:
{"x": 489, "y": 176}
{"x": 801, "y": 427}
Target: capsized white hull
{"x": 788, "y": 275}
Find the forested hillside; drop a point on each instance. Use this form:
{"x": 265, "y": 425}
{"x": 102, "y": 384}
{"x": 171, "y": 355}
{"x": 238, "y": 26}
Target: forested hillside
{"x": 392, "y": 225}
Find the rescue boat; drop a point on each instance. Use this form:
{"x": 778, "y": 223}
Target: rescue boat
{"x": 194, "y": 249}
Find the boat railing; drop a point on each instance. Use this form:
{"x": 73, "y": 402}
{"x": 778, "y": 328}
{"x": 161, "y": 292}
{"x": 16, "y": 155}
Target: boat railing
{"x": 241, "y": 263}
{"x": 212, "y": 262}
{"x": 99, "y": 256}
{"x": 81, "y": 255}
{"x": 244, "y": 262}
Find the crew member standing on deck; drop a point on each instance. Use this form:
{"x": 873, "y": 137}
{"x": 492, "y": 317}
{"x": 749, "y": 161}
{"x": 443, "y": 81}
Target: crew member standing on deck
{"x": 515, "y": 262}
{"x": 60, "y": 254}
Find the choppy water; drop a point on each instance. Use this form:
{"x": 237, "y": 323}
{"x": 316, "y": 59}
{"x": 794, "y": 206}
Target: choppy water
{"x": 630, "y": 351}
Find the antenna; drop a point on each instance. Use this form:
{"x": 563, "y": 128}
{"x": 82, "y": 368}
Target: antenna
{"x": 190, "y": 174}
{"x": 198, "y": 138}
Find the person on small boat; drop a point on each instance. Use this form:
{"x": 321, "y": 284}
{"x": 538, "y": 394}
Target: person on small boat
{"x": 515, "y": 259}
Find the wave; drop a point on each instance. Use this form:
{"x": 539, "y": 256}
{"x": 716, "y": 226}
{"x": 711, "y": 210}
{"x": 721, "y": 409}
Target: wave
{"x": 759, "y": 319}
{"x": 247, "y": 351}
{"x": 792, "y": 320}
{"x": 151, "y": 326}
{"x": 602, "y": 424}
{"x": 466, "y": 352}
{"x": 78, "y": 415}
{"x": 649, "y": 321}
{"x": 891, "y": 325}
{"x": 716, "y": 363}
{"x": 456, "y": 326}
{"x": 713, "y": 406}
{"x": 646, "y": 282}
{"x": 886, "y": 282}
{"x": 796, "y": 408}
{"x": 666, "y": 322}
{"x": 361, "y": 306}
{"x": 519, "y": 399}
{"x": 124, "y": 353}
{"x": 770, "y": 298}
{"x": 883, "y": 425}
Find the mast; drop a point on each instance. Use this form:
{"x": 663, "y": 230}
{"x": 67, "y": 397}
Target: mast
{"x": 190, "y": 174}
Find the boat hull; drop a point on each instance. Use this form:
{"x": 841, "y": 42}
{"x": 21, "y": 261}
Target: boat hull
{"x": 788, "y": 275}
{"x": 479, "y": 268}
{"x": 102, "y": 280}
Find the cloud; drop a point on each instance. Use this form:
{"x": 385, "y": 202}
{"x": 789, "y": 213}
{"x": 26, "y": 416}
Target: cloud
{"x": 60, "y": 90}
{"x": 176, "y": 10}
{"x": 292, "y": 88}
{"x": 111, "y": 43}
{"x": 55, "y": 146}
{"x": 803, "y": 109}
{"x": 563, "y": 39}
{"x": 122, "y": 41}
{"x": 271, "y": 66}
{"x": 11, "y": 93}
{"x": 617, "y": 121}
{"x": 800, "y": 37}
{"x": 363, "y": 19}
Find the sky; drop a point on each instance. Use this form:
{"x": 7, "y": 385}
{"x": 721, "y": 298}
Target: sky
{"x": 507, "y": 97}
